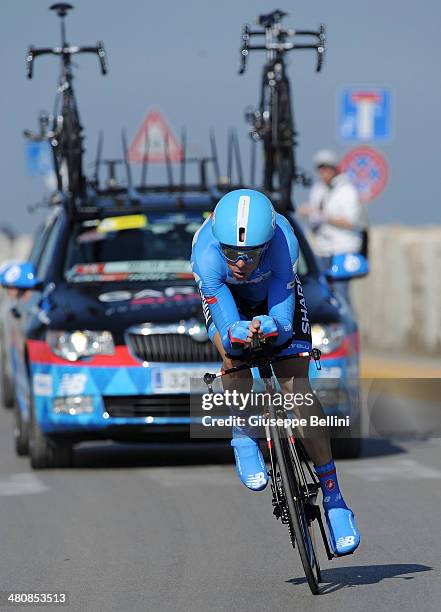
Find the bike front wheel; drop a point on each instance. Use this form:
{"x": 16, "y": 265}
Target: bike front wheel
{"x": 299, "y": 521}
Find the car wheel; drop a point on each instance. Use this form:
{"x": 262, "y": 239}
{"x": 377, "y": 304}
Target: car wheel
{"x": 44, "y": 452}
{"x": 7, "y": 394}
{"x": 348, "y": 448}
{"x": 21, "y": 432}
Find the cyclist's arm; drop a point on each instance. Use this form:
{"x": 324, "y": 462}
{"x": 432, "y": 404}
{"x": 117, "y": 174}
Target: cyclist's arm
{"x": 207, "y": 270}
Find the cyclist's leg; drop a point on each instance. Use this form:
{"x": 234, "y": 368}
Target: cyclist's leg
{"x": 250, "y": 464}
{"x": 293, "y": 375}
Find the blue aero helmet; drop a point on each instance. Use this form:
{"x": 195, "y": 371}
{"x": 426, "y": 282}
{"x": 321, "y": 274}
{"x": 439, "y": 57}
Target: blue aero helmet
{"x": 244, "y": 218}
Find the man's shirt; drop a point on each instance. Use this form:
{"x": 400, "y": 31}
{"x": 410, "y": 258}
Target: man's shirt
{"x": 339, "y": 200}
{"x": 272, "y": 280}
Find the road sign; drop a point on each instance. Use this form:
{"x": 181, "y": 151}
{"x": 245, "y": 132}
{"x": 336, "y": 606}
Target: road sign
{"x": 367, "y": 169}
{"x": 154, "y": 142}
{"x": 364, "y": 114}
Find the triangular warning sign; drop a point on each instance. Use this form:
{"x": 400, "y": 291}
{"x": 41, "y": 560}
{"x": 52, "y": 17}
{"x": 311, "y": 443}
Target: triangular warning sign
{"x": 154, "y": 142}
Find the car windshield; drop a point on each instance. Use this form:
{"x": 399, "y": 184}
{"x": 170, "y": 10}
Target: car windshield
{"x": 132, "y": 248}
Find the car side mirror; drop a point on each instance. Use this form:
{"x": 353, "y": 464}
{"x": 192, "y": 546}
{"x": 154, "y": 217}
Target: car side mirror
{"x": 20, "y": 276}
{"x": 347, "y": 266}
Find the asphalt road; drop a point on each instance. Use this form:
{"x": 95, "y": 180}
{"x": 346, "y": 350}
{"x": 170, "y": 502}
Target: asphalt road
{"x": 171, "y": 528}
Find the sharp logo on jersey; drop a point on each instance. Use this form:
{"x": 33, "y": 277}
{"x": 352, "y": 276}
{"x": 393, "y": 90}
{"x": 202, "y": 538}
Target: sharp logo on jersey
{"x": 243, "y": 210}
{"x": 306, "y": 328}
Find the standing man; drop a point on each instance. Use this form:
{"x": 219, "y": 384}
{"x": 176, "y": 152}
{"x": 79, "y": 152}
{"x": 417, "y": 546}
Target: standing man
{"x": 335, "y": 213}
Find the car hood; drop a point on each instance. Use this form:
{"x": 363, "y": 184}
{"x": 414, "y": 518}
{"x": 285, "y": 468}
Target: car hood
{"x": 120, "y": 305}
{"x": 117, "y": 306}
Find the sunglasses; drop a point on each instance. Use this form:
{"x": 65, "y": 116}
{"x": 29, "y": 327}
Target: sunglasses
{"x": 232, "y": 255}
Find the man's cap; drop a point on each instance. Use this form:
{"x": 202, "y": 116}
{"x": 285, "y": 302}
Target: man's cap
{"x": 326, "y": 157}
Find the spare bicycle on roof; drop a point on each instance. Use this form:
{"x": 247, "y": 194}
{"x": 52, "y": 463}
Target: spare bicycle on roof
{"x": 65, "y": 134}
{"x": 273, "y": 121}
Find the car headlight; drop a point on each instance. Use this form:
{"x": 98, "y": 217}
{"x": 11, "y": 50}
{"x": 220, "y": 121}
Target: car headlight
{"x": 328, "y": 338}
{"x": 74, "y": 345}
{"x": 197, "y": 331}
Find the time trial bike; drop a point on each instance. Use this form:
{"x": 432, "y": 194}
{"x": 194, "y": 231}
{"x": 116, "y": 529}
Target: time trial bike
{"x": 294, "y": 484}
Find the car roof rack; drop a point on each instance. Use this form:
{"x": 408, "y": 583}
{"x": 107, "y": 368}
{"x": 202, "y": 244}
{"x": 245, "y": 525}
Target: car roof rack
{"x": 154, "y": 198}
{"x": 119, "y": 199}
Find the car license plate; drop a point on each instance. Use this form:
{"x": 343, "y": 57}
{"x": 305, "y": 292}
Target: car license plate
{"x": 177, "y": 380}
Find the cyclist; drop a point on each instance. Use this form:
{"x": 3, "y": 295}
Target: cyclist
{"x": 244, "y": 260}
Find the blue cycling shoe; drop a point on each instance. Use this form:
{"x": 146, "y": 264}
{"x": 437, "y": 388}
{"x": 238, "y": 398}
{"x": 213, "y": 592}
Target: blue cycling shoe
{"x": 250, "y": 465}
{"x": 343, "y": 531}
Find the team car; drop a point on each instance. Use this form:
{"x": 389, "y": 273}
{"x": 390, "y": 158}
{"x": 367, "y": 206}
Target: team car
{"x": 106, "y": 327}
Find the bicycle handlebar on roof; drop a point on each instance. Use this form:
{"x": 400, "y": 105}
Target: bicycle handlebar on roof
{"x": 276, "y": 39}
{"x": 65, "y": 50}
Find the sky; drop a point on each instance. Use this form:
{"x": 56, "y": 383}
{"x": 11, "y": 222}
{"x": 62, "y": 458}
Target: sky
{"x": 182, "y": 58}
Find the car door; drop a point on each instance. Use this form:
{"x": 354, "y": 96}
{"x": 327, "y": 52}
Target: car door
{"x": 24, "y": 309}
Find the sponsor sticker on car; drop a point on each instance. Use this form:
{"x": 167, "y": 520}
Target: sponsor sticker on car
{"x": 72, "y": 384}
{"x": 42, "y": 384}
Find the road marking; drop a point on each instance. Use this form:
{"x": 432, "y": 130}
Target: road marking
{"x": 182, "y": 477}
{"x": 396, "y": 469}
{"x": 21, "y": 484}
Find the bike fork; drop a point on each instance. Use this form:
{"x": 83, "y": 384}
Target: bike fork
{"x": 277, "y": 502}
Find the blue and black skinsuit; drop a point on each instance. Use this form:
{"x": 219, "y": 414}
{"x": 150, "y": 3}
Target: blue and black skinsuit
{"x": 273, "y": 288}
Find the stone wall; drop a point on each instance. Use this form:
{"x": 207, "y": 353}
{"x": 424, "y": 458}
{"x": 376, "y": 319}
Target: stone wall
{"x": 399, "y": 304}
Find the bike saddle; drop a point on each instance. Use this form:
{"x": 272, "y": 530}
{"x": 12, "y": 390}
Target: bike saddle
{"x": 270, "y": 19}
{"x": 61, "y": 8}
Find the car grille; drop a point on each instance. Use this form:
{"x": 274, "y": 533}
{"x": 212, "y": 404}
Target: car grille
{"x": 171, "y": 348}
{"x": 163, "y": 405}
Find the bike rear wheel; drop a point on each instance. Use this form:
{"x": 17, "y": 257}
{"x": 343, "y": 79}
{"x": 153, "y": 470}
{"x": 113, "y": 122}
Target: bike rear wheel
{"x": 300, "y": 524}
